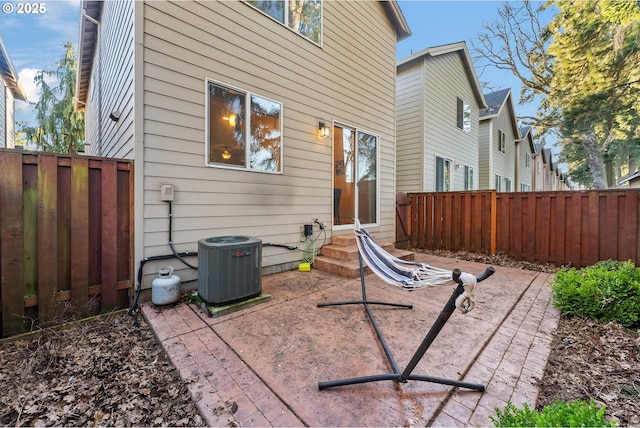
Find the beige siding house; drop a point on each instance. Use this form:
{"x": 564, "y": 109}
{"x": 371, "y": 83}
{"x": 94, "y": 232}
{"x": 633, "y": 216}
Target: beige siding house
{"x": 10, "y": 90}
{"x": 525, "y": 150}
{"x": 632, "y": 181}
{"x": 224, "y": 101}
{"x": 438, "y": 102}
{"x": 498, "y": 136}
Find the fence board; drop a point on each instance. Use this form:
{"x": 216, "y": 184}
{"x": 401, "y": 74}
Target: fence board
{"x": 11, "y": 238}
{"x": 65, "y": 237}
{"x": 79, "y": 233}
{"x": 47, "y": 238}
{"x": 109, "y": 235}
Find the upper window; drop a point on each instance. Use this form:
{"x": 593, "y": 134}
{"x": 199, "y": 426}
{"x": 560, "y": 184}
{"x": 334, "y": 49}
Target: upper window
{"x": 244, "y": 130}
{"x": 527, "y": 160}
{"x": 464, "y": 116}
{"x": 302, "y": 16}
{"x": 498, "y": 183}
{"x": 502, "y": 142}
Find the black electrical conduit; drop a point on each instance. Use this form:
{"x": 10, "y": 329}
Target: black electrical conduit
{"x": 179, "y": 256}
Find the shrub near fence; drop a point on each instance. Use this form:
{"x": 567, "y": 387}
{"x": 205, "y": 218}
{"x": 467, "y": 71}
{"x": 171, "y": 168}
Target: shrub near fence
{"x": 65, "y": 237}
{"x": 577, "y": 228}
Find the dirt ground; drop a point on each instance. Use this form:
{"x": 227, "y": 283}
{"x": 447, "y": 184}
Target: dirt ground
{"x": 111, "y": 371}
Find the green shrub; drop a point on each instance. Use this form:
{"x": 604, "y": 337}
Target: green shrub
{"x": 559, "y": 414}
{"x": 607, "y": 291}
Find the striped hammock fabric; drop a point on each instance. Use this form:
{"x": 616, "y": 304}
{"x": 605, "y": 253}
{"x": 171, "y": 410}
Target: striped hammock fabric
{"x": 409, "y": 275}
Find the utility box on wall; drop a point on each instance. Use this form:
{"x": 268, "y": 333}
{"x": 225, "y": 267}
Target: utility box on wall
{"x": 229, "y": 269}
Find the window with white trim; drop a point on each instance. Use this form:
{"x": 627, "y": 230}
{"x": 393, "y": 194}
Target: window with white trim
{"x": 527, "y": 160}
{"x": 502, "y": 142}
{"x": 507, "y": 184}
{"x": 244, "y": 130}
{"x": 443, "y": 174}
{"x": 498, "y": 183}
{"x": 463, "y": 116}
{"x": 468, "y": 178}
{"x": 302, "y": 16}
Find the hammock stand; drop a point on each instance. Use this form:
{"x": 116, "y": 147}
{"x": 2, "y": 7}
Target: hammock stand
{"x": 368, "y": 246}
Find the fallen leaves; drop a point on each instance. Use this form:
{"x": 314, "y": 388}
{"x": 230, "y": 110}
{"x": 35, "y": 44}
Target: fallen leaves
{"x": 590, "y": 359}
{"x": 107, "y": 372}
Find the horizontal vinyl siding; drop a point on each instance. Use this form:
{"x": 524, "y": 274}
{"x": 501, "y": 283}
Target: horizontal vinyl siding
{"x": 504, "y": 163}
{"x": 446, "y": 81}
{"x": 4, "y": 119}
{"x": 410, "y": 128}
{"x": 350, "y": 79}
{"x": 485, "y": 173}
{"x": 112, "y": 84}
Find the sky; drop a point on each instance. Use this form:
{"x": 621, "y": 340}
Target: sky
{"x": 36, "y": 41}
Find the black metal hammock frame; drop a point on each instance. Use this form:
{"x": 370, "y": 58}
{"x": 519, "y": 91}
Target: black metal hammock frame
{"x": 407, "y": 374}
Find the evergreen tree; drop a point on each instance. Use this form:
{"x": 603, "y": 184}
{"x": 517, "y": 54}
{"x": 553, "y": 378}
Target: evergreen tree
{"x": 60, "y": 127}
{"x": 596, "y": 82}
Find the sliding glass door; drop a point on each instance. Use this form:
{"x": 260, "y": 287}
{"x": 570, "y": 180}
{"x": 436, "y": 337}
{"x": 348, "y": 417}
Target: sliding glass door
{"x": 355, "y": 176}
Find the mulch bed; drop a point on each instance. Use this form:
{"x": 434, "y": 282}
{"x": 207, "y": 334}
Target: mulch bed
{"x": 110, "y": 371}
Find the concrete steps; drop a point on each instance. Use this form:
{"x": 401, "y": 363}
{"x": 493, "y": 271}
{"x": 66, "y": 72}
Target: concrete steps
{"x": 341, "y": 256}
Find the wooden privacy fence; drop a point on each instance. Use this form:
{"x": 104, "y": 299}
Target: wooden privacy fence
{"x": 576, "y": 228}
{"x": 65, "y": 237}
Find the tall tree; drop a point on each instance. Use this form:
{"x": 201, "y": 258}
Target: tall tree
{"x": 582, "y": 68}
{"x": 596, "y": 80}
{"x": 60, "y": 127}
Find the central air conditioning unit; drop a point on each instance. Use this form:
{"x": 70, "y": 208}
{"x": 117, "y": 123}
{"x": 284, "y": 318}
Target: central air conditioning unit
{"x": 229, "y": 269}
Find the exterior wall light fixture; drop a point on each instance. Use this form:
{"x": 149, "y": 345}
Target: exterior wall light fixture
{"x": 323, "y": 129}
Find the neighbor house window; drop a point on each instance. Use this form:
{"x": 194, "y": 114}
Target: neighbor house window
{"x": 527, "y": 160}
{"x": 502, "y": 142}
{"x": 244, "y": 130}
{"x": 464, "y": 116}
{"x": 507, "y": 184}
{"x": 443, "y": 174}
{"x": 498, "y": 183}
{"x": 468, "y": 178}
{"x": 302, "y": 16}
{"x": 525, "y": 187}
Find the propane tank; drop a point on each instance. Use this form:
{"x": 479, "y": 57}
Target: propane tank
{"x": 165, "y": 288}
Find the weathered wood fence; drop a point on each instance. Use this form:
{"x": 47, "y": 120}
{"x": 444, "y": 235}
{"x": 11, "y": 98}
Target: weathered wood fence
{"x": 65, "y": 237}
{"x": 576, "y": 228}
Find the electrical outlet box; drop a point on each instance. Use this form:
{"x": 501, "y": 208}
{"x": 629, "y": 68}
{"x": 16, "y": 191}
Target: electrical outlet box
{"x": 166, "y": 192}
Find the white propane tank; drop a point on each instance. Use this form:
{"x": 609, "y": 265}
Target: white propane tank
{"x": 165, "y": 288}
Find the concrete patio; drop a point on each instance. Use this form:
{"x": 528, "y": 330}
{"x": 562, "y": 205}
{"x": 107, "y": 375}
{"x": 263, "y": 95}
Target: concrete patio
{"x": 261, "y": 366}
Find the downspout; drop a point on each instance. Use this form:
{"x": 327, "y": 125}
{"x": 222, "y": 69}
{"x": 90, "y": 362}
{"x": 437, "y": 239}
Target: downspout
{"x": 98, "y": 150}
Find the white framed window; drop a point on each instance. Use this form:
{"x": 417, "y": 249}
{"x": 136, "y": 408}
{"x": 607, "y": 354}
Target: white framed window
{"x": 498, "y": 183}
{"x": 302, "y": 16}
{"x": 502, "y": 142}
{"x": 527, "y": 160}
{"x": 443, "y": 174}
{"x": 525, "y": 187}
{"x": 463, "y": 116}
{"x": 507, "y": 185}
{"x": 244, "y": 130}
{"x": 468, "y": 178}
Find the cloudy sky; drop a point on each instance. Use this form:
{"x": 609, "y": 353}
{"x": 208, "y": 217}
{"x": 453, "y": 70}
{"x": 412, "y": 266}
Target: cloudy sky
{"x": 35, "y": 41}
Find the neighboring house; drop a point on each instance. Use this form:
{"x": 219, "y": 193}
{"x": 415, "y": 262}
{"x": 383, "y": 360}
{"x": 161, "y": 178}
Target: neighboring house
{"x": 498, "y": 136}
{"x": 539, "y": 167}
{"x": 633, "y": 180}
{"x": 525, "y": 151}
{"x": 10, "y": 90}
{"x": 438, "y": 102}
{"x": 224, "y": 101}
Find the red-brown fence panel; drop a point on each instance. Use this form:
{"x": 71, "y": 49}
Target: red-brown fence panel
{"x": 65, "y": 239}
{"x": 564, "y": 228}
{"x": 453, "y": 221}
